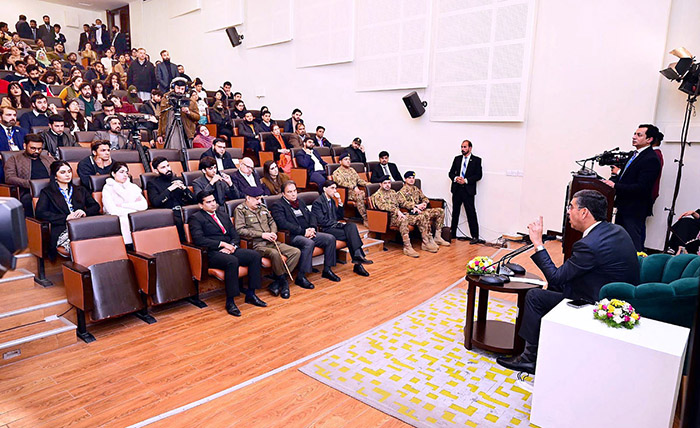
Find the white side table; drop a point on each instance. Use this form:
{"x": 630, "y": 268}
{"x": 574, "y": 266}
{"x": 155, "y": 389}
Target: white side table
{"x": 589, "y": 374}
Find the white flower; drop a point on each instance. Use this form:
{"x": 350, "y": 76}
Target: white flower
{"x": 604, "y": 302}
{"x": 601, "y": 313}
{"x": 617, "y": 312}
{"x": 631, "y": 321}
{"x": 617, "y": 319}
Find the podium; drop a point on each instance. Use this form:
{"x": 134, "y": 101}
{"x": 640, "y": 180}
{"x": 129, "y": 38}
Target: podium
{"x": 583, "y": 182}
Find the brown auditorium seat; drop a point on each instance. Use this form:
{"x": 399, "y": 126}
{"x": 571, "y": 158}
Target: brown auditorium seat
{"x": 8, "y": 190}
{"x": 55, "y": 101}
{"x": 256, "y": 113}
{"x": 97, "y": 182}
{"x": 133, "y": 161}
{"x": 56, "y": 89}
{"x": 326, "y": 154}
{"x": 237, "y": 142}
{"x": 73, "y": 155}
{"x": 84, "y": 136}
{"x": 235, "y": 152}
{"x": 103, "y": 280}
{"x": 193, "y": 156}
{"x": 370, "y": 166}
{"x": 173, "y": 156}
{"x": 120, "y": 93}
{"x": 38, "y": 129}
{"x": 178, "y": 267}
{"x": 21, "y": 111}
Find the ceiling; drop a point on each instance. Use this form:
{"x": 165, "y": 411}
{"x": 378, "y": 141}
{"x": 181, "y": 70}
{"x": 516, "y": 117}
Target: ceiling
{"x": 98, "y": 5}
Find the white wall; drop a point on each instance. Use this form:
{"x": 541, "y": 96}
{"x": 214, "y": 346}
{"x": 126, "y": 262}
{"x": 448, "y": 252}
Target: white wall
{"x": 594, "y": 78}
{"x": 35, "y": 9}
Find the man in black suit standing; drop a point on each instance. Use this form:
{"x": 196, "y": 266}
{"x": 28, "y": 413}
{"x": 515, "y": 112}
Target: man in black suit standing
{"x": 327, "y": 214}
{"x": 634, "y": 185}
{"x": 465, "y": 172}
{"x": 292, "y": 214}
{"x": 23, "y": 28}
{"x": 119, "y": 42}
{"x": 385, "y": 168}
{"x": 45, "y": 32}
{"x": 86, "y": 37}
{"x": 604, "y": 254}
{"x": 212, "y": 228}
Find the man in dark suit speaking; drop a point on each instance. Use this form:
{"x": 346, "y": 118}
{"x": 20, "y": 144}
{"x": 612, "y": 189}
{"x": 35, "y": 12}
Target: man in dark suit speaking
{"x": 465, "y": 172}
{"x": 634, "y": 187}
{"x": 604, "y": 254}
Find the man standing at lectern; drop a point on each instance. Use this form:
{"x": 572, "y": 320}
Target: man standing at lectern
{"x": 634, "y": 185}
{"x": 465, "y": 172}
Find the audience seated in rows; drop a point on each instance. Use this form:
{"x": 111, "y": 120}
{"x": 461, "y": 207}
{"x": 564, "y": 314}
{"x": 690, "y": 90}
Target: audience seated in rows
{"x": 120, "y": 197}
{"x": 57, "y": 136}
{"x": 273, "y": 178}
{"x": 32, "y": 164}
{"x": 100, "y": 163}
{"x": 215, "y": 181}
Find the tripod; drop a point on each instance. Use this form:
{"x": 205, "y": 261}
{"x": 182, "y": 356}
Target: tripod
{"x": 177, "y": 130}
{"x": 135, "y": 137}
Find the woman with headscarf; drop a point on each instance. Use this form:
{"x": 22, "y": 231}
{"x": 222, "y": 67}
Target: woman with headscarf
{"x": 132, "y": 96}
{"x": 202, "y": 140}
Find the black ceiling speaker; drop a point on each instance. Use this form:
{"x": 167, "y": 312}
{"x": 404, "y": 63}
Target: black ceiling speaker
{"x": 233, "y": 35}
{"x": 415, "y": 106}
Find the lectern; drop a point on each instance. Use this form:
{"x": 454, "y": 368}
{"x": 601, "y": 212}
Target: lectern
{"x": 583, "y": 182}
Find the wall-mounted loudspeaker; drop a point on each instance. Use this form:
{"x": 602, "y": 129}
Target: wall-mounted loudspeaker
{"x": 233, "y": 35}
{"x": 415, "y": 106}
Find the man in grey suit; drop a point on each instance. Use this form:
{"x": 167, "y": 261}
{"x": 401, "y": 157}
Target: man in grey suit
{"x": 113, "y": 134}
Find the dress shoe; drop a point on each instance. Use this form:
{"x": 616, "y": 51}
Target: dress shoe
{"x": 302, "y": 282}
{"x": 232, "y": 309}
{"x": 284, "y": 289}
{"x": 360, "y": 270}
{"x": 474, "y": 241}
{"x": 255, "y": 300}
{"x": 314, "y": 270}
{"x": 463, "y": 238}
{"x": 362, "y": 260}
{"x": 274, "y": 289}
{"x": 519, "y": 363}
{"x": 329, "y": 274}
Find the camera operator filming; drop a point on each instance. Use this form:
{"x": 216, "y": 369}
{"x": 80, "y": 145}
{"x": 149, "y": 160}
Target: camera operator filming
{"x": 178, "y": 117}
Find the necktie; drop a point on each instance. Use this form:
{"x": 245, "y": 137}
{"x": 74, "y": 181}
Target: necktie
{"x": 629, "y": 162}
{"x": 386, "y": 170}
{"x": 331, "y": 211}
{"x": 464, "y": 167}
{"x": 216, "y": 219}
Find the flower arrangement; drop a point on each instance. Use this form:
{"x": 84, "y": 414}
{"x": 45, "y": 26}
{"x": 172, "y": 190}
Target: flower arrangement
{"x": 642, "y": 254}
{"x": 616, "y": 313}
{"x": 478, "y": 266}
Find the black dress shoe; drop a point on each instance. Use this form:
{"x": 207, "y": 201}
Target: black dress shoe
{"x": 362, "y": 260}
{"x": 274, "y": 289}
{"x": 360, "y": 270}
{"x": 463, "y": 238}
{"x": 232, "y": 309}
{"x": 329, "y": 274}
{"x": 520, "y": 363}
{"x": 314, "y": 270}
{"x": 255, "y": 300}
{"x": 474, "y": 241}
{"x": 284, "y": 289}
{"x": 303, "y": 282}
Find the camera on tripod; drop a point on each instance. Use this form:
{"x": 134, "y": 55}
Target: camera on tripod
{"x": 134, "y": 121}
{"x": 179, "y": 101}
{"x": 614, "y": 158}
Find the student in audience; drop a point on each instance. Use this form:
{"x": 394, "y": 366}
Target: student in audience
{"x": 32, "y": 164}
{"x": 61, "y": 201}
{"x": 42, "y": 56}
{"x": 247, "y": 177}
{"x": 120, "y": 197}
{"x": 276, "y": 144}
{"x": 168, "y": 191}
{"x": 86, "y": 101}
{"x": 72, "y": 60}
{"x": 202, "y": 140}
{"x": 95, "y": 72}
{"x": 89, "y": 54}
{"x": 220, "y": 116}
{"x": 237, "y": 96}
{"x": 211, "y": 228}
{"x": 142, "y": 74}
{"x": 327, "y": 212}
{"x": 113, "y": 83}
{"x": 98, "y": 91}
{"x": 312, "y": 162}
{"x": 221, "y": 156}
{"x": 16, "y": 97}
{"x": 99, "y": 122}
{"x": 254, "y": 222}
{"x": 15, "y": 41}
{"x": 189, "y": 117}
{"x": 101, "y": 36}
{"x": 20, "y": 68}
{"x": 107, "y": 61}
{"x": 239, "y": 110}
{"x": 225, "y": 92}
{"x": 273, "y": 178}
{"x": 320, "y": 140}
{"x": 386, "y": 199}
{"x": 418, "y": 203}
{"x": 73, "y": 118}
{"x": 58, "y": 37}
{"x": 250, "y": 131}
{"x": 59, "y": 52}
{"x": 99, "y": 163}
{"x": 298, "y": 138}
{"x": 121, "y": 67}
{"x": 14, "y": 57}
{"x": 119, "y": 42}
{"x": 39, "y": 116}
{"x": 58, "y": 70}
{"x": 71, "y": 91}
{"x": 265, "y": 121}
{"x": 117, "y": 140}
{"x": 290, "y": 125}
{"x": 31, "y": 60}
{"x": 32, "y": 82}
{"x": 56, "y": 136}
{"x": 75, "y": 72}
{"x": 357, "y": 151}
{"x": 347, "y": 177}
{"x": 166, "y": 71}
{"x": 121, "y": 106}
{"x": 214, "y": 180}
{"x": 11, "y": 135}
{"x": 132, "y": 96}
{"x": 181, "y": 72}
{"x": 151, "y": 109}
{"x": 50, "y": 78}
{"x": 201, "y": 107}
{"x": 86, "y": 37}
{"x": 385, "y": 168}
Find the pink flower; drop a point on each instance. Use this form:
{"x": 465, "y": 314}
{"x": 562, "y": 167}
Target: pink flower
{"x": 626, "y": 318}
{"x": 610, "y": 315}
{"x": 605, "y": 307}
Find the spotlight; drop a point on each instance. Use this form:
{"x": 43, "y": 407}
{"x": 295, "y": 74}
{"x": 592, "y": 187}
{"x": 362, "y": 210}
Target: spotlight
{"x": 686, "y": 71}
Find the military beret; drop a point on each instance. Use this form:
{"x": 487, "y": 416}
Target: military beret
{"x": 343, "y": 156}
{"x": 385, "y": 177}
{"x": 409, "y": 174}
{"x": 253, "y": 192}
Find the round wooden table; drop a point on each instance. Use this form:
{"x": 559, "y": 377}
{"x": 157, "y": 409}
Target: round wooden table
{"x": 492, "y": 335}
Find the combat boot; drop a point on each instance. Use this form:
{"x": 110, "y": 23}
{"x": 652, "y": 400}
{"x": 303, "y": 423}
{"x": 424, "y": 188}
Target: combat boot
{"x": 429, "y": 246}
{"x": 439, "y": 241}
{"x": 409, "y": 251}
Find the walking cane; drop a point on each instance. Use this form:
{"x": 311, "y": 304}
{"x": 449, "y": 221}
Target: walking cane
{"x": 283, "y": 262}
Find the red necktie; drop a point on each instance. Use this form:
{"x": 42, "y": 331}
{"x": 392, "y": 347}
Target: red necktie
{"x": 216, "y": 219}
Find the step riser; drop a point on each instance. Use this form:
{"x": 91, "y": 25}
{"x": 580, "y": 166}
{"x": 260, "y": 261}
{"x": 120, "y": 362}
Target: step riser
{"x": 27, "y": 262}
{"x": 37, "y": 347}
{"x": 11, "y": 285}
{"x": 36, "y": 315}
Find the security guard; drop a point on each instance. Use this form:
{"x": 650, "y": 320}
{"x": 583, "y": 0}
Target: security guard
{"x": 347, "y": 177}
{"x": 253, "y": 221}
{"x": 417, "y": 202}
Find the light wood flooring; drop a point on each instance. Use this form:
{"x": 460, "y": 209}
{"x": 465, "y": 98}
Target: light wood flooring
{"x": 135, "y": 371}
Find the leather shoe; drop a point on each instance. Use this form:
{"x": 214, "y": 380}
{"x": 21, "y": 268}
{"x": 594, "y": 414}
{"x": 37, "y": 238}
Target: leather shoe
{"x": 274, "y": 289}
{"x": 360, "y": 270}
{"x": 362, "y": 260}
{"x": 474, "y": 241}
{"x": 303, "y": 282}
{"x": 463, "y": 238}
{"x": 329, "y": 274}
{"x": 284, "y": 290}
{"x": 232, "y": 309}
{"x": 518, "y": 363}
{"x": 255, "y": 300}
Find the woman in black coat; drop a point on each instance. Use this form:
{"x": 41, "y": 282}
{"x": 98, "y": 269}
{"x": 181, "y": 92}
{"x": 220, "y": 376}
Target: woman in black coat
{"x": 53, "y": 204}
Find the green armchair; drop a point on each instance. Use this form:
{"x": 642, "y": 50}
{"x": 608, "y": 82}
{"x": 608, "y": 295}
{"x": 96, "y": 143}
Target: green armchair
{"x": 667, "y": 291}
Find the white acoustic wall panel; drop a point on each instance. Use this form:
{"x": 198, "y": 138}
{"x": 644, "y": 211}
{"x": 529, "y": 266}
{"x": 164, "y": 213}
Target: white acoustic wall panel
{"x": 267, "y": 22}
{"x": 481, "y": 59}
{"x": 392, "y": 43}
{"x": 183, "y": 7}
{"x": 220, "y": 14}
{"x": 323, "y": 31}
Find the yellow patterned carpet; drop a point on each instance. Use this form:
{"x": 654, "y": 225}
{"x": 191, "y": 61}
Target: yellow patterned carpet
{"x": 416, "y": 368}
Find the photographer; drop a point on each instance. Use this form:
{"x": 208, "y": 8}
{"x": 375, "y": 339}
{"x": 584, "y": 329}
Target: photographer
{"x": 177, "y": 104}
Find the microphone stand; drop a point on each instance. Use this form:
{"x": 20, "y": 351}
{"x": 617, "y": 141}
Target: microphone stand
{"x": 503, "y": 269}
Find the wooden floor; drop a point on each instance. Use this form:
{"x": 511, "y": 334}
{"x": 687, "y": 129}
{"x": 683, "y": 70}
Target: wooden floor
{"x": 135, "y": 371}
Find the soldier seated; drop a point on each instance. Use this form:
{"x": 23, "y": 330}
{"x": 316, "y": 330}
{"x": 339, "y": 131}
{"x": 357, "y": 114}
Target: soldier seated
{"x": 347, "y": 177}
{"x": 418, "y": 203}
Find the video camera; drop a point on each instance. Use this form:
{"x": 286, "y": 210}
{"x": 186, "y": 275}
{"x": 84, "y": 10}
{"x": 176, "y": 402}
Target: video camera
{"x": 178, "y": 101}
{"x": 614, "y": 158}
{"x": 134, "y": 121}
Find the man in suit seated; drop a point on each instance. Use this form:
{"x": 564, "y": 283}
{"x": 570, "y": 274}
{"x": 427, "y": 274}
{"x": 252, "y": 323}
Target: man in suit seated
{"x": 321, "y": 141}
{"x": 221, "y": 156}
{"x": 168, "y": 191}
{"x": 385, "y": 168}
{"x": 11, "y": 136}
{"x": 291, "y": 124}
{"x": 57, "y": 136}
{"x": 32, "y": 164}
{"x": 254, "y": 222}
{"x": 296, "y": 140}
{"x": 604, "y": 254}
{"x": 39, "y": 116}
{"x": 357, "y": 151}
{"x": 212, "y": 229}
{"x": 117, "y": 141}
{"x": 246, "y": 177}
{"x": 215, "y": 181}
{"x": 327, "y": 213}
{"x": 250, "y": 130}
{"x": 311, "y": 160}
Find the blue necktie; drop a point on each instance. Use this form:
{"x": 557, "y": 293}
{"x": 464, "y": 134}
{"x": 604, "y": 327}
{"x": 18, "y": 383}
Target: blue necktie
{"x": 628, "y": 163}
{"x": 464, "y": 167}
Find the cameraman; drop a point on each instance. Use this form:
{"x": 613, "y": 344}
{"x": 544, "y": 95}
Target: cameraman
{"x": 634, "y": 184}
{"x": 172, "y": 101}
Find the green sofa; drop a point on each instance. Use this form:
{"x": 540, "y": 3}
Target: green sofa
{"x": 668, "y": 288}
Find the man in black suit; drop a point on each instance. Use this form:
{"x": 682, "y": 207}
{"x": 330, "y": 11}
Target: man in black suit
{"x": 246, "y": 177}
{"x": 311, "y": 160}
{"x": 356, "y": 151}
{"x": 327, "y": 213}
{"x": 464, "y": 173}
{"x": 604, "y": 254}
{"x": 221, "y": 156}
{"x": 292, "y": 214}
{"x": 45, "y": 32}
{"x": 86, "y": 37}
{"x": 385, "y": 168}
{"x": 167, "y": 191}
{"x": 212, "y": 229}
{"x": 23, "y": 28}
{"x": 321, "y": 141}
{"x": 290, "y": 125}
{"x": 215, "y": 181}
{"x": 634, "y": 186}
{"x": 119, "y": 42}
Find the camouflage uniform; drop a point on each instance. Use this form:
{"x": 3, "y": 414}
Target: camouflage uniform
{"x": 251, "y": 224}
{"x": 413, "y": 196}
{"x": 391, "y": 201}
{"x": 348, "y": 178}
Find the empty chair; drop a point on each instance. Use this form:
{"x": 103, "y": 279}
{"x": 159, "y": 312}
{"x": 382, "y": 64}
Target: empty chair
{"x": 193, "y": 156}
{"x": 102, "y": 280}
